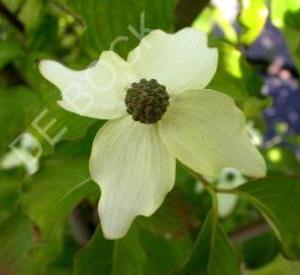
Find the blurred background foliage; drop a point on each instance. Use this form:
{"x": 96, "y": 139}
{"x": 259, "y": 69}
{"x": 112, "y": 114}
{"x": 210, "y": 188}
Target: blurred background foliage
{"x": 48, "y": 210}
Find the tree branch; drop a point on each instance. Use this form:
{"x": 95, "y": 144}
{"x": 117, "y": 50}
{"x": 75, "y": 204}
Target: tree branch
{"x": 12, "y": 18}
{"x": 11, "y": 76}
{"x": 187, "y": 11}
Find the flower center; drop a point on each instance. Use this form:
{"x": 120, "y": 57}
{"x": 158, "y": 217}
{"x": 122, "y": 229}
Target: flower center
{"x": 147, "y": 101}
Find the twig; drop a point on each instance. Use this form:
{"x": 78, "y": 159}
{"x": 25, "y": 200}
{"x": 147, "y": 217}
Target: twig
{"x": 187, "y": 11}
{"x": 12, "y": 18}
{"x": 11, "y": 76}
{"x": 249, "y": 231}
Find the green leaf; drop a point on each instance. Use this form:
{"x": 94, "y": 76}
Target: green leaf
{"x": 234, "y": 76}
{"x": 282, "y": 160}
{"x": 129, "y": 256}
{"x": 31, "y": 13}
{"x": 164, "y": 255}
{"x": 108, "y": 22}
{"x": 260, "y": 250}
{"x": 96, "y": 257}
{"x": 16, "y": 105}
{"x": 254, "y": 106}
{"x": 42, "y": 117}
{"x": 206, "y": 20}
{"x": 44, "y": 35}
{"x": 279, "y": 266}
{"x": 9, "y": 193}
{"x": 286, "y": 16}
{"x": 122, "y": 257}
{"x": 9, "y": 51}
{"x": 54, "y": 192}
{"x": 253, "y": 17}
{"x": 212, "y": 253}
{"x": 230, "y": 34}
{"x": 50, "y": 197}
{"x": 16, "y": 240}
{"x": 292, "y": 37}
{"x": 280, "y": 9}
{"x": 12, "y": 5}
{"x": 278, "y": 200}
{"x": 169, "y": 219}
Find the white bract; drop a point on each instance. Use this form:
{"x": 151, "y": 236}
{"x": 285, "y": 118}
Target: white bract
{"x": 26, "y": 155}
{"x": 229, "y": 179}
{"x": 133, "y": 162}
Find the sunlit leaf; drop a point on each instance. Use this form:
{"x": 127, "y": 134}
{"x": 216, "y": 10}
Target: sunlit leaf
{"x": 230, "y": 34}
{"x": 281, "y": 9}
{"x": 286, "y": 16}
{"x": 234, "y": 76}
{"x": 253, "y": 17}
{"x": 205, "y": 21}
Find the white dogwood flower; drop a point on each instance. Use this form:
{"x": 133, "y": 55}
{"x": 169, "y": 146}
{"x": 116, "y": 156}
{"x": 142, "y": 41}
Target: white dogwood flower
{"x": 158, "y": 111}
{"x": 229, "y": 179}
{"x": 27, "y": 154}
